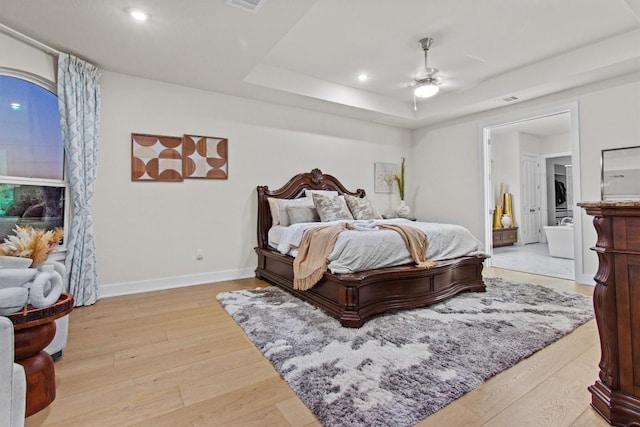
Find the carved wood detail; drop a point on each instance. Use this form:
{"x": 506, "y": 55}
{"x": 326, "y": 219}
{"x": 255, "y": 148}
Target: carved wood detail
{"x": 354, "y": 298}
{"x": 293, "y": 189}
{"x": 604, "y": 301}
{"x": 616, "y": 300}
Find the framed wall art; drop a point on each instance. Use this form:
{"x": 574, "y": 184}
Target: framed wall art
{"x": 620, "y": 176}
{"x": 384, "y": 177}
{"x": 205, "y": 157}
{"x": 156, "y": 157}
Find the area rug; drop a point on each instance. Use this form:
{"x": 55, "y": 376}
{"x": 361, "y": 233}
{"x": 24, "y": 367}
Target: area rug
{"x": 402, "y": 367}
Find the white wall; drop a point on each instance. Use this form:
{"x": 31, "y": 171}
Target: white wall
{"x": 506, "y": 170}
{"x": 608, "y": 114}
{"x": 558, "y": 143}
{"x": 530, "y": 144}
{"x": 506, "y": 154}
{"x": 608, "y": 119}
{"x": 147, "y": 233}
{"x": 446, "y": 175}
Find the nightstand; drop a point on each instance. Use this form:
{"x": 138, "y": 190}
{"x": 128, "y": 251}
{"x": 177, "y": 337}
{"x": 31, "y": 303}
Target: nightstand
{"x": 505, "y": 236}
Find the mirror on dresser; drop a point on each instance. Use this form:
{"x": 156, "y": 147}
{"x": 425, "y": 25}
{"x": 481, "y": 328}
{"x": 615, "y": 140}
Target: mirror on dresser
{"x": 620, "y": 177}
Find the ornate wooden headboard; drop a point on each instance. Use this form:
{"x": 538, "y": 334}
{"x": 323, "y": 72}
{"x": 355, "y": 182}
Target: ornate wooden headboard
{"x": 314, "y": 180}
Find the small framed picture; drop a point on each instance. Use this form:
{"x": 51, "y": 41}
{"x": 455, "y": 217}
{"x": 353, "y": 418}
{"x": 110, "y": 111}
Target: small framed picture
{"x": 384, "y": 174}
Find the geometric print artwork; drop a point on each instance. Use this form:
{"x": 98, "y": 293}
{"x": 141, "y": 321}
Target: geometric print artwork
{"x": 205, "y": 157}
{"x": 156, "y": 158}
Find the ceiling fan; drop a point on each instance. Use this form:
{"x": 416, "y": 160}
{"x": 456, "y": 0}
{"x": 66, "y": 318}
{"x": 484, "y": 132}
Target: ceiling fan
{"x": 426, "y": 85}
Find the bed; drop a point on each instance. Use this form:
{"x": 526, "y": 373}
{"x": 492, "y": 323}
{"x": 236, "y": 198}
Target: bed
{"x": 353, "y": 298}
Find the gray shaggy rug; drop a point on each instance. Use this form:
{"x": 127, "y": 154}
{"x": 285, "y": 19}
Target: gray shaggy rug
{"x": 399, "y": 368}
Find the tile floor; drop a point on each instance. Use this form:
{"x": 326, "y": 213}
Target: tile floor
{"x": 533, "y": 258}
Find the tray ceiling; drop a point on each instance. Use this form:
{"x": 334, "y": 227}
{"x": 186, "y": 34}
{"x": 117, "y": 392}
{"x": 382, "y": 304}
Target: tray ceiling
{"x": 308, "y": 53}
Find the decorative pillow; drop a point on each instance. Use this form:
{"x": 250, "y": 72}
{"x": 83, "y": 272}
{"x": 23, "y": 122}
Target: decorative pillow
{"x": 284, "y": 204}
{"x": 331, "y": 208}
{"x": 275, "y": 210}
{"x": 327, "y": 193}
{"x": 299, "y": 214}
{"x": 278, "y": 209}
{"x": 361, "y": 207}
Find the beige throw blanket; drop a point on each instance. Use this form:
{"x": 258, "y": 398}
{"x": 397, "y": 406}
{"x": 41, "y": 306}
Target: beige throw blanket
{"x": 315, "y": 247}
{"x": 415, "y": 240}
{"x": 317, "y": 244}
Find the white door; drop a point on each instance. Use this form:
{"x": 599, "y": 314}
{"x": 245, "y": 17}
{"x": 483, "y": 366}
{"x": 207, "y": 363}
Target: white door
{"x": 530, "y": 179}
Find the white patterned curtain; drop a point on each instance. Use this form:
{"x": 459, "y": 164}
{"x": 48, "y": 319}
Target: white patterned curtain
{"x": 79, "y": 105}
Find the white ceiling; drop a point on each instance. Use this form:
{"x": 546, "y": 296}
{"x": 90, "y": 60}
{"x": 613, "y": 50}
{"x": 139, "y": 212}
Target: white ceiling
{"x": 308, "y": 53}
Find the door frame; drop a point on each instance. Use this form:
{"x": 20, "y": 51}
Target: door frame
{"x": 484, "y": 128}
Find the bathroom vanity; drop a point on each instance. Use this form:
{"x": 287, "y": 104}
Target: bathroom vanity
{"x": 616, "y": 301}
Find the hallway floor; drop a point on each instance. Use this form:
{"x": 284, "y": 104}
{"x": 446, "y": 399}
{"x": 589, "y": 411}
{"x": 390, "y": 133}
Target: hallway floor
{"x": 533, "y": 258}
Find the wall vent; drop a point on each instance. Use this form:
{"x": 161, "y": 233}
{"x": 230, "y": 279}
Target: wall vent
{"x": 248, "y": 5}
{"x": 510, "y": 99}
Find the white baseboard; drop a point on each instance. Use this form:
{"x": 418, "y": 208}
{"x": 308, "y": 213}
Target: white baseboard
{"x": 585, "y": 279}
{"x": 127, "y": 288}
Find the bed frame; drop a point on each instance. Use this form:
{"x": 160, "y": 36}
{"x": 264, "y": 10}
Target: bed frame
{"x": 356, "y": 297}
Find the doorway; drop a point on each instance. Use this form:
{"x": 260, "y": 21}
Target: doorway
{"x": 517, "y": 152}
{"x": 531, "y": 198}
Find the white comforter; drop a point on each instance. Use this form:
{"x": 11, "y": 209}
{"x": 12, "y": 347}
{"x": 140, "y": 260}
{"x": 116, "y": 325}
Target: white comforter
{"x": 364, "y": 250}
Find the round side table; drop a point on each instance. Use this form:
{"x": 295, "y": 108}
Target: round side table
{"x": 33, "y": 331}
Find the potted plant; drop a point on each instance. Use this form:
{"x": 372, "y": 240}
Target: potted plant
{"x": 31, "y": 243}
{"x": 403, "y": 209}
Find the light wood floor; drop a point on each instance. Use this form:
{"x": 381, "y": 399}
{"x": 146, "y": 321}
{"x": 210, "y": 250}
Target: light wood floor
{"x": 175, "y": 358}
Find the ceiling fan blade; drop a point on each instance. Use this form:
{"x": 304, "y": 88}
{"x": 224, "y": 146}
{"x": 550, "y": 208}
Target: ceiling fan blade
{"x": 464, "y": 61}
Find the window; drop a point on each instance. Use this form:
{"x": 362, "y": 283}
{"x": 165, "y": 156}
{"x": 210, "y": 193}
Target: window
{"x": 32, "y": 182}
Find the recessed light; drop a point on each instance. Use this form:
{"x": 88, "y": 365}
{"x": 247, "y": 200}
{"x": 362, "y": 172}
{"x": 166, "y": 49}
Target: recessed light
{"x": 15, "y": 106}
{"x": 362, "y": 77}
{"x": 138, "y": 14}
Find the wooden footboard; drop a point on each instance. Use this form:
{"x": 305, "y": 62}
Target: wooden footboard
{"x": 355, "y": 298}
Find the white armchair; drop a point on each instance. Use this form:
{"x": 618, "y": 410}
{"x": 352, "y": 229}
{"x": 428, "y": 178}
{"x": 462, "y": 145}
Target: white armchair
{"x": 13, "y": 384}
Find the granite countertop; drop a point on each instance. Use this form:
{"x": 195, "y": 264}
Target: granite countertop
{"x": 611, "y": 204}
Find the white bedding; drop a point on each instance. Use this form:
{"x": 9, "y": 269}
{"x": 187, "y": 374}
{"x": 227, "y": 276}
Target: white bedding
{"x": 365, "y": 250}
{"x": 275, "y": 234}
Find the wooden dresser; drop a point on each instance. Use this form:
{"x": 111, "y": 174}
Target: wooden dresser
{"x": 505, "y": 236}
{"x": 616, "y": 301}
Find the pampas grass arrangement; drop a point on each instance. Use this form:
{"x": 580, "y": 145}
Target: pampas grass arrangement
{"x": 34, "y": 243}
{"x": 400, "y": 180}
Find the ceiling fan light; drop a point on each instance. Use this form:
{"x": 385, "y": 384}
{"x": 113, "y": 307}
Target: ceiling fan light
{"x": 426, "y": 90}
{"x": 138, "y": 14}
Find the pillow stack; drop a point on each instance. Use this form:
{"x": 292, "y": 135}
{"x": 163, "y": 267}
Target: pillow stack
{"x": 280, "y": 210}
{"x": 321, "y": 205}
{"x": 331, "y": 208}
{"x": 362, "y": 208}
